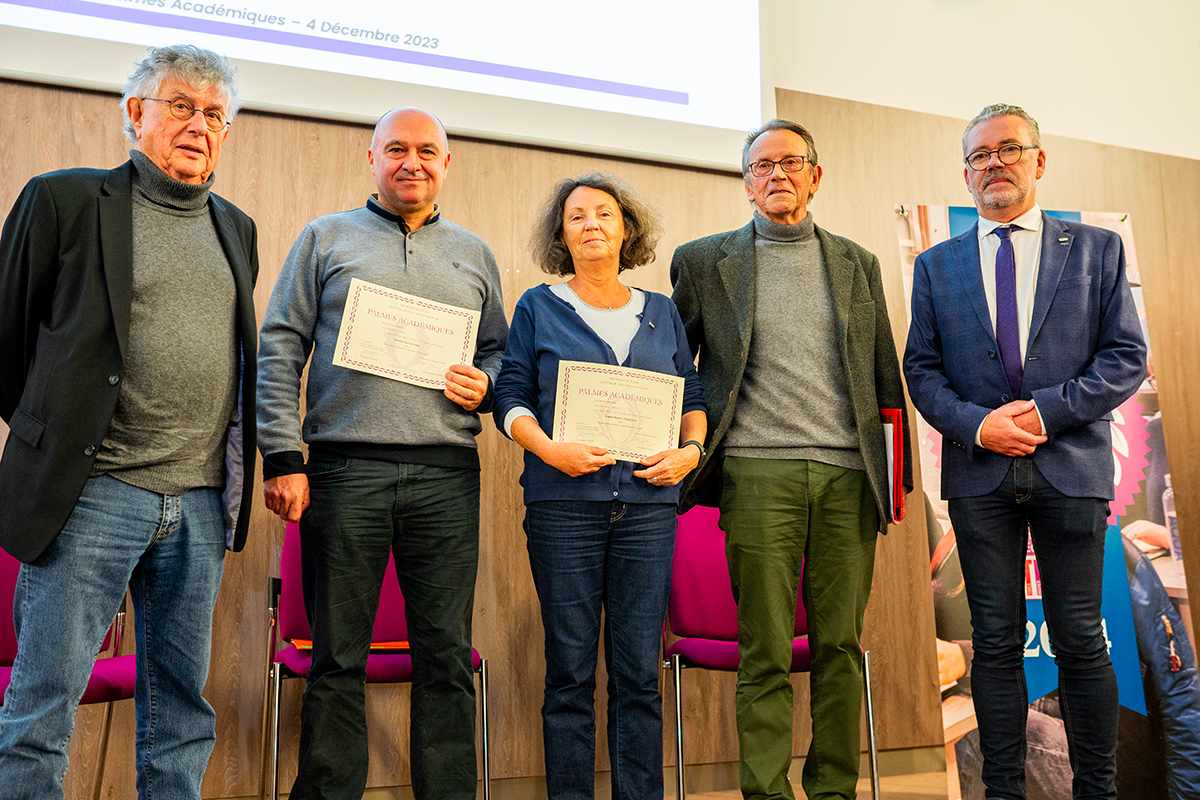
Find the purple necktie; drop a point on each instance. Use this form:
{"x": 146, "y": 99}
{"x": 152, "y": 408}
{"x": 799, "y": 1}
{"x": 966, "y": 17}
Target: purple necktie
{"x": 1007, "y": 334}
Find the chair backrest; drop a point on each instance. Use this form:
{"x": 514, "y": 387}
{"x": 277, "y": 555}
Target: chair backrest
{"x": 390, "y": 624}
{"x": 9, "y": 567}
{"x": 701, "y": 603}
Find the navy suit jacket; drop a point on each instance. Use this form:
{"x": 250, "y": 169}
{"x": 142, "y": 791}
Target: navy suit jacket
{"x": 1085, "y": 357}
{"x": 66, "y": 282}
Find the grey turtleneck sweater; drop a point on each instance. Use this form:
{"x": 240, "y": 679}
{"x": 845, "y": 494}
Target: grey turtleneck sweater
{"x": 794, "y": 401}
{"x": 179, "y": 386}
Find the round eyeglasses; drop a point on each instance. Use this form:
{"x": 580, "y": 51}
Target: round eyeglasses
{"x": 766, "y": 167}
{"x": 183, "y": 110}
{"x": 1008, "y": 154}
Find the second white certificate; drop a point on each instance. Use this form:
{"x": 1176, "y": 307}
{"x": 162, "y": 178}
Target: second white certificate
{"x": 632, "y": 413}
{"x": 403, "y": 337}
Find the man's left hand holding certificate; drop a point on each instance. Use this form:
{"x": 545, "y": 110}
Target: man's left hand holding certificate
{"x": 402, "y": 337}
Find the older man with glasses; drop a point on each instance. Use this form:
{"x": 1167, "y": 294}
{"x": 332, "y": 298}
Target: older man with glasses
{"x": 127, "y": 356}
{"x": 797, "y": 361}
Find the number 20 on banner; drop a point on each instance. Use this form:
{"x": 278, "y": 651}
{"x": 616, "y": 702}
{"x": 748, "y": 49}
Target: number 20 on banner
{"x": 1034, "y": 633}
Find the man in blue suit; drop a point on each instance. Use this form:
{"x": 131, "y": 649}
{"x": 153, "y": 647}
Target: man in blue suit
{"x": 1024, "y": 338}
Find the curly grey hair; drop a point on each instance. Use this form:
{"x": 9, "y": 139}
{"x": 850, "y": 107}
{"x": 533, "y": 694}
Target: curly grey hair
{"x": 199, "y": 68}
{"x": 643, "y": 225}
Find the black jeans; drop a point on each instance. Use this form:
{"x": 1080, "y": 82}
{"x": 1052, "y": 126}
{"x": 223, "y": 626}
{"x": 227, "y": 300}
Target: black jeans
{"x": 1068, "y": 536}
{"x": 429, "y": 517}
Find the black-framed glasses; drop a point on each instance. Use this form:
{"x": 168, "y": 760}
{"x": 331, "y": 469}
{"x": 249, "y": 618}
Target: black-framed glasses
{"x": 765, "y": 167}
{"x": 182, "y": 109}
{"x": 1008, "y": 154}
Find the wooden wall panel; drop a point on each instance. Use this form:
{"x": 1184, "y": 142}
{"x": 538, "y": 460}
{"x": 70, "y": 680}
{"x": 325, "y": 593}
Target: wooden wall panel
{"x": 1175, "y": 337}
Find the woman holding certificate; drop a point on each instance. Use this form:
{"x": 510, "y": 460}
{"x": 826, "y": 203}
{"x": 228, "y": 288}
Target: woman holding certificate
{"x": 599, "y": 388}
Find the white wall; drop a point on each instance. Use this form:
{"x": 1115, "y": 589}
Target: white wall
{"x": 1119, "y": 72}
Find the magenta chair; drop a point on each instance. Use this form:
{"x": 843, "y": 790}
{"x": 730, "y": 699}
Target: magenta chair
{"x": 702, "y": 613}
{"x": 112, "y": 678}
{"x": 389, "y": 661}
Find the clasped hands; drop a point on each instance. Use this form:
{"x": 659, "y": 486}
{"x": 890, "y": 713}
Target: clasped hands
{"x": 1013, "y": 429}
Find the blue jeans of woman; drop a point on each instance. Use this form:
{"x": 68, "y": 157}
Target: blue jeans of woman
{"x": 170, "y": 551}
{"x": 588, "y": 556}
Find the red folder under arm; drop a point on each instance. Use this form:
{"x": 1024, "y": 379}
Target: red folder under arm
{"x": 893, "y": 433}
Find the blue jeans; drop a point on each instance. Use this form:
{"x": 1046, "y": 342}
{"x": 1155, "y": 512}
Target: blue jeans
{"x": 586, "y": 556}
{"x": 170, "y": 551}
{"x": 1068, "y": 536}
{"x": 362, "y": 510}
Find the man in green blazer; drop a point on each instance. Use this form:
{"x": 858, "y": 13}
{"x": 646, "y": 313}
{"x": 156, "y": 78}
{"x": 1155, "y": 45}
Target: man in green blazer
{"x": 797, "y": 361}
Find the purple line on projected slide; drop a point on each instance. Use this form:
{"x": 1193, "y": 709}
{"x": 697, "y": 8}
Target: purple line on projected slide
{"x": 142, "y": 17}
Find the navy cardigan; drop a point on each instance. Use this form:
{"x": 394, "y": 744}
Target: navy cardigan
{"x": 545, "y": 330}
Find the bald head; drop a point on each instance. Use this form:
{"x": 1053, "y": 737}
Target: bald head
{"x": 409, "y": 157}
{"x": 408, "y": 113}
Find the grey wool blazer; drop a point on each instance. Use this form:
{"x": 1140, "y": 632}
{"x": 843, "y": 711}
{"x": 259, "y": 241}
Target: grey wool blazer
{"x": 714, "y": 281}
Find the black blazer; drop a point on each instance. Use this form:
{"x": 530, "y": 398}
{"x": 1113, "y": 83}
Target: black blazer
{"x": 66, "y": 281}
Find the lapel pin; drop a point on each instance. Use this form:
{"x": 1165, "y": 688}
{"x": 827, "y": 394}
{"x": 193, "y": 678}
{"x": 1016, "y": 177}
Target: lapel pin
{"x": 651, "y": 324}
{"x": 1063, "y": 240}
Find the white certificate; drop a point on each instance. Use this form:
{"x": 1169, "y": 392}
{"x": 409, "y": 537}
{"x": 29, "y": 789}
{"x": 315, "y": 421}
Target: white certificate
{"x": 402, "y": 337}
{"x": 632, "y": 413}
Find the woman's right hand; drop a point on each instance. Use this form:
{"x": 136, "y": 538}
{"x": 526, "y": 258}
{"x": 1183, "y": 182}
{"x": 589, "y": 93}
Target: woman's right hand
{"x": 575, "y": 458}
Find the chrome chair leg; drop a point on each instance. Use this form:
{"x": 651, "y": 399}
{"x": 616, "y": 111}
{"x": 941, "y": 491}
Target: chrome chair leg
{"x": 273, "y": 772}
{"x": 871, "y": 745}
{"x": 483, "y": 728}
{"x": 676, "y": 670}
{"x": 105, "y": 730}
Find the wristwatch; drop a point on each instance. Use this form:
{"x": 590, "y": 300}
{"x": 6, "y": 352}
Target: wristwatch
{"x": 699, "y": 446}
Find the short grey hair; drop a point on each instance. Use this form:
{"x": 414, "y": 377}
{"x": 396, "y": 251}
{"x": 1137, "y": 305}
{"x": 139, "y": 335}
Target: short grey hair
{"x": 199, "y": 68}
{"x": 1004, "y": 110}
{"x": 643, "y": 226}
{"x": 779, "y": 125}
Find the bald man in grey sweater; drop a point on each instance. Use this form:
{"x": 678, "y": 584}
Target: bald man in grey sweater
{"x": 797, "y": 361}
{"x": 392, "y": 467}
